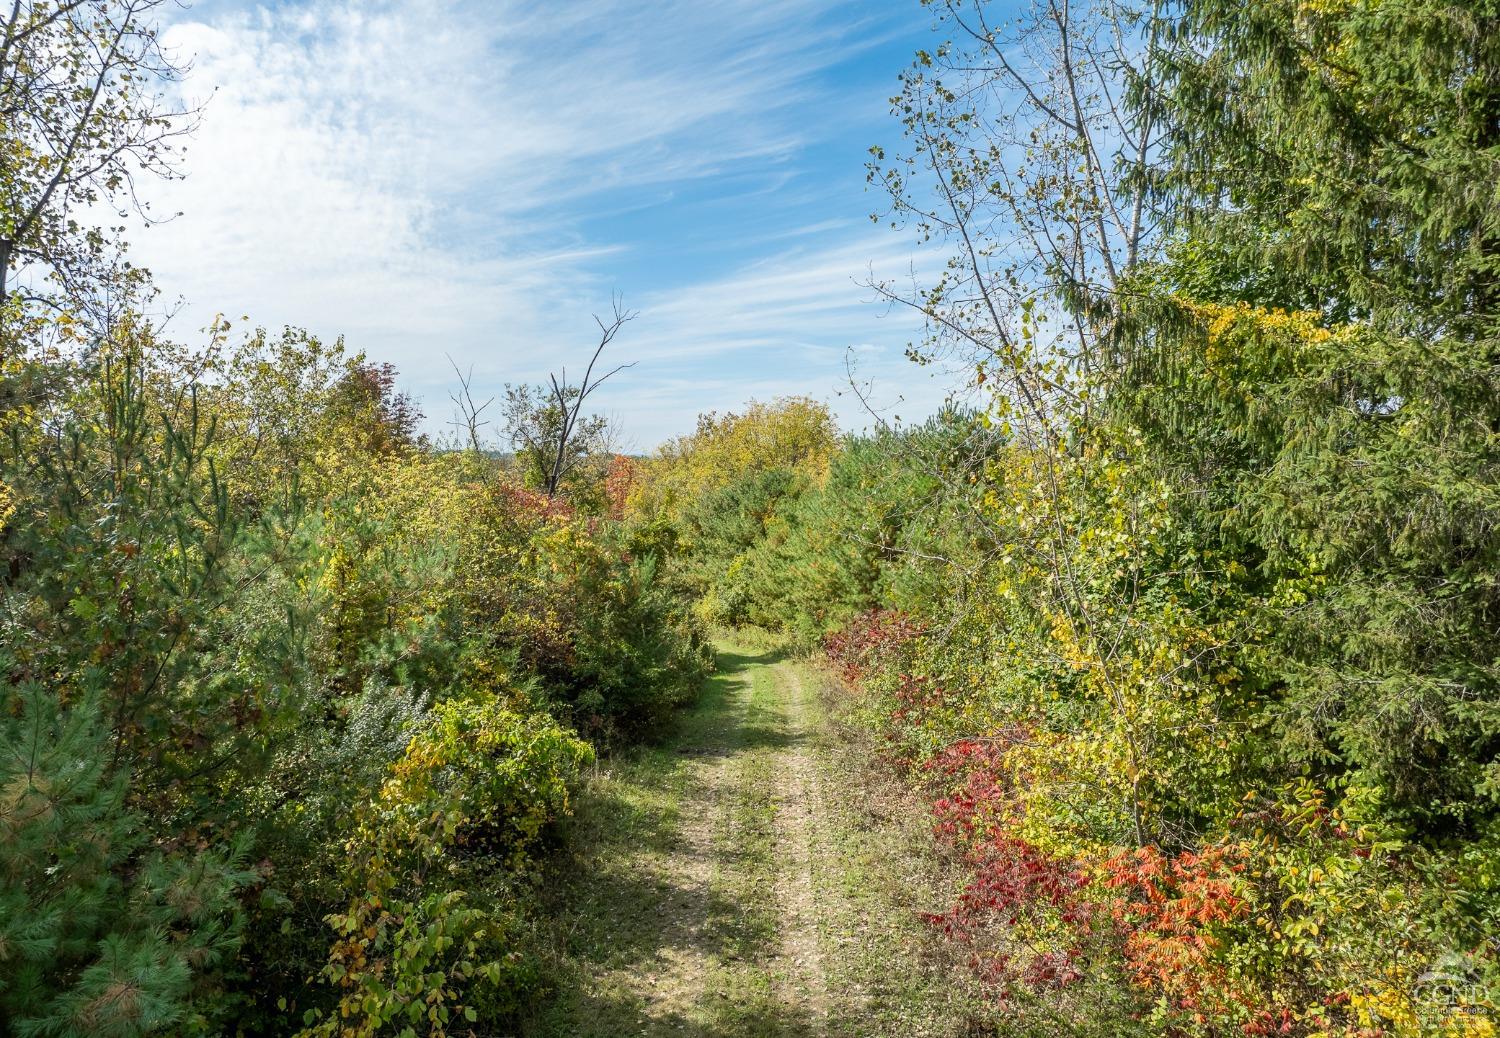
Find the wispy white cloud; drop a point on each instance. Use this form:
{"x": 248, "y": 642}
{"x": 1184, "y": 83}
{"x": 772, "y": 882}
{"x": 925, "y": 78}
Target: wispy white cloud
{"x": 795, "y": 322}
{"x": 418, "y": 176}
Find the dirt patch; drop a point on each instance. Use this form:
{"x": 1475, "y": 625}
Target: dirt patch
{"x": 798, "y": 805}
{"x": 671, "y": 988}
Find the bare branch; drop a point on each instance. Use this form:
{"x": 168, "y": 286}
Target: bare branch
{"x": 463, "y": 399}
{"x": 551, "y": 424}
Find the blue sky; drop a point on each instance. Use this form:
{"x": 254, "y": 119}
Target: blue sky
{"x": 474, "y": 179}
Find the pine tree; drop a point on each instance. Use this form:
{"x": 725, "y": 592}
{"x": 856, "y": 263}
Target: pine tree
{"x": 1340, "y": 159}
{"x": 101, "y": 933}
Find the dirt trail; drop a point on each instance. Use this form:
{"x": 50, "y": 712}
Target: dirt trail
{"x": 798, "y": 805}
{"x": 718, "y": 887}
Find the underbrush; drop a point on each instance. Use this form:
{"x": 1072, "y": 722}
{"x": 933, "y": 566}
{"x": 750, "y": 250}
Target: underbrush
{"x": 292, "y": 701}
{"x": 1298, "y": 914}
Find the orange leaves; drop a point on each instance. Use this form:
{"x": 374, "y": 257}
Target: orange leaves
{"x": 1167, "y": 909}
{"x": 619, "y": 482}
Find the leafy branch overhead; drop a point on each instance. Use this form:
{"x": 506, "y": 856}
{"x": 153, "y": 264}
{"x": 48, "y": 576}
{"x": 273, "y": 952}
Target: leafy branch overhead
{"x": 82, "y": 86}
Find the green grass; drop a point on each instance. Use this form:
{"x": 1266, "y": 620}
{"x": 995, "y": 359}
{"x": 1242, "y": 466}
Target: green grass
{"x": 748, "y": 977}
{"x": 874, "y": 872}
{"x": 749, "y": 875}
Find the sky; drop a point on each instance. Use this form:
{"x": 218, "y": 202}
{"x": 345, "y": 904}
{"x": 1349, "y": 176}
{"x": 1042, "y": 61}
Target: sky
{"x": 474, "y": 180}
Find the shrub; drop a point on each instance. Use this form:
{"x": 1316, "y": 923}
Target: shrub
{"x": 437, "y": 861}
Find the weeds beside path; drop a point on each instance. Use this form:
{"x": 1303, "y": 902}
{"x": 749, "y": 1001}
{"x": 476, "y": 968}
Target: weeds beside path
{"x": 746, "y": 877}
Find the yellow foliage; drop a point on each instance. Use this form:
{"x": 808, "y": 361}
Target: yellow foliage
{"x": 788, "y": 433}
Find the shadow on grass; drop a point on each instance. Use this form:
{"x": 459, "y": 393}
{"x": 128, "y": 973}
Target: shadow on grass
{"x": 759, "y": 1021}
{"x": 733, "y": 662}
{"x": 689, "y": 735}
{"x": 631, "y": 910}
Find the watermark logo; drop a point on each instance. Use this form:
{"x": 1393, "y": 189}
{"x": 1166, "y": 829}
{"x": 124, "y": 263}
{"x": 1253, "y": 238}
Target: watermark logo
{"x": 1454, "y": 987}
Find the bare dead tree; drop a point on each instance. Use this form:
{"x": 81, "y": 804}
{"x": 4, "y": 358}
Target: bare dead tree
{"x": 569, "y": 400}
{"x": 548, "y": 427}
{"x": 469, "y": 411}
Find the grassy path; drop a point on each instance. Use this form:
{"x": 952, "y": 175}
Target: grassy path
{"x": 749, "y": 876}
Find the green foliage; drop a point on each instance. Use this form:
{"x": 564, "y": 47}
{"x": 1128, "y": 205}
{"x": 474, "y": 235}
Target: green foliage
{"x": 1190, "y": 631}
{"x": 793, "y": 434}
{"x": 82, "y": 86}
{"x": 435, "y": 858}
{"x": 859, "y": 540}
{"x": 1318, "y": 361}
{"x": 723, "y": 526}
{"x": 234, "y": 603}
{"x": 101, "y": 933}
{"x": 1347, "y": 138}
{"x": 1193, "y": 628}
{"x": 1350, "y": 475}
{"x": 727, "y": 491}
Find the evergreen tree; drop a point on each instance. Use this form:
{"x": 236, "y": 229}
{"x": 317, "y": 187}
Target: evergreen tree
{"x": 1339, "y": 159}
{"x": 101, "y": 933}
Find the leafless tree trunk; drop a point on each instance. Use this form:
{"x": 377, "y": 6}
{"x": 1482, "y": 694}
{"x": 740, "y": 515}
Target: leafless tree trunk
{"x": 569, "y": 400}
{"x": 469, "y": 411}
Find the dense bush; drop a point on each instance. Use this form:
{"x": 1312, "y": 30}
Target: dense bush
{"x": 1113, "y": 722}
{"x": 1112, "y": 759}
{"x": 436, "y": 862}
{"x": 1189, "y": 629}
{"x": 257, "y": 636}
